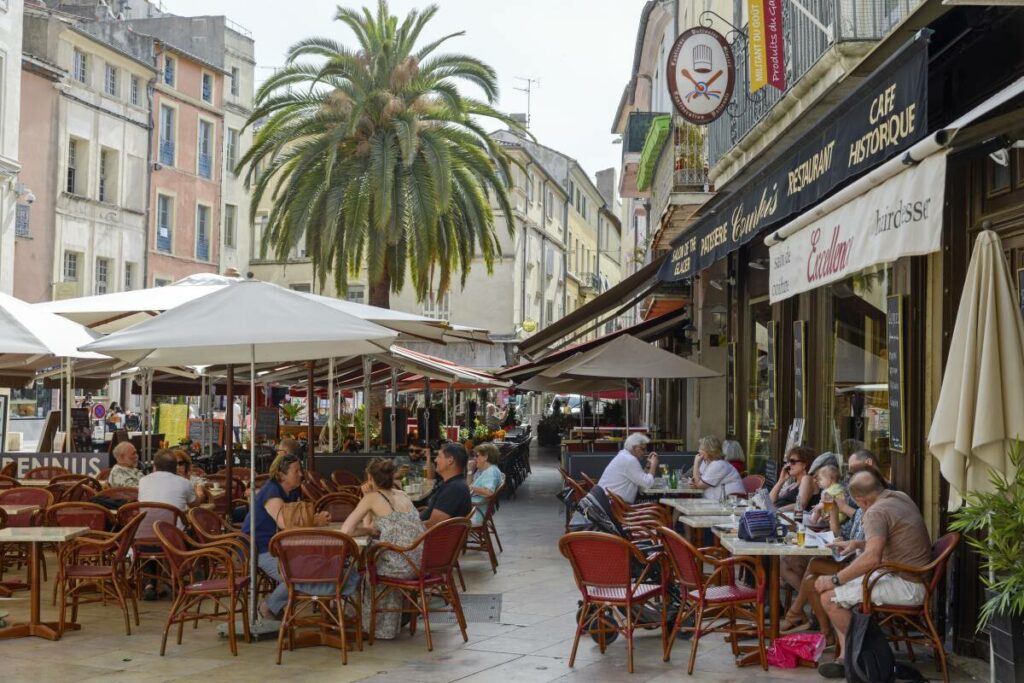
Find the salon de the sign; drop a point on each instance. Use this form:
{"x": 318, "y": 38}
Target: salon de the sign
{"x": 882, "y": 117}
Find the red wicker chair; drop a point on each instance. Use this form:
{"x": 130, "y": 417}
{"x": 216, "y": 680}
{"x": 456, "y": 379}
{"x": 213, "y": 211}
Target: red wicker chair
{"x": 339, "y": 505}
{"x": 345, "y": 478}
{"x": 307, "y": 556}
{"x": 8, "y": 482}
{"x": 104, "y": 474}
{"x": 753, "y": 483}
{"x": 479, "y": 536}
{"x": 441, "y": 545}
{"x": 17, "y": 554}
{"x": 98, "y": 563}
{"x": 127, "y": 494}
{"x": 601, "y": 564}
{"x": 45, "y": 472}
{"x": 714, "y": 597}
{"x": 327, "y": 485}
{"x": 578, "y": 492}
{"x": 226, "y": 587}
{"x": 209, "y": 527}
{"x": 901, "y": 622}
{"x": 79, "y": 513}
{"x": 146, "y": 547}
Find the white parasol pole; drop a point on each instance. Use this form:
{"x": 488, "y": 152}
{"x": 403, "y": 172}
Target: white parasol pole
{"x": 252, "y": 485}
{"x": 330, "y": 405}
{"x": 394, "y": 409}
{"x": 625, "y": 385}
{"x": 367, "y": 367}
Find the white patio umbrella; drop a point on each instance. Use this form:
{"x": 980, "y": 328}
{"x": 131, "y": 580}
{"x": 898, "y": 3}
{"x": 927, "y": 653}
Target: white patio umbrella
{"x": 31, "y": 339}
{"x": 246, "y": 322}
{"x": 981, "y": 403}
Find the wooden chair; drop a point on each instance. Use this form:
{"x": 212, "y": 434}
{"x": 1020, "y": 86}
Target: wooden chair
{"x": 753, "y": 483}
{"x": 345, "y": 478}
{"x": 96, "y": 517}
{"x": 901, "y": 622}
{"x": 578, "y": 492}
{"x": 104, "y": 474}
{"x": 326, "y": 485}
{"x": 16, "y": 554}
{"x": 146, "y": 547}
{"x": 715, "y": 597}
{"x": 126, "y": 494}
{"x": 602, "y": 566}
{"x": 479, "y": 536}
{"x": 312, "y": 556}
{"x": 98, "y": 563}
{"x": 433, "y": 576}
{"x": 81, "y": 491}
{"x": 45, "y": 472}
{"x": 226, "y": 587}
{"x": 339, "y": 505}
{"x": 209, "y": 527}
{"x": 8, "y": 482}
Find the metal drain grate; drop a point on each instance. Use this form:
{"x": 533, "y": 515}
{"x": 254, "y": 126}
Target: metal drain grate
{"x": 478, "y": 608}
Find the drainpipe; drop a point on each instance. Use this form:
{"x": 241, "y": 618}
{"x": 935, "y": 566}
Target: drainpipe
{"x": 565, "y": 256}
{"x": 522, "y": 265}
{"x": 541, "y": 315}
{"x": 150, "y": 89}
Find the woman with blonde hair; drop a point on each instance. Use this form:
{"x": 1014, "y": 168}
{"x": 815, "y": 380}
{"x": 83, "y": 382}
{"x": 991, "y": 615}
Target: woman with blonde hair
{"x": 486, "y": 477}
{"x": 713, "y": 473}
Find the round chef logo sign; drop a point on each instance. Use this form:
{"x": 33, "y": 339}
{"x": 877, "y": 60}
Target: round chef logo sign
{"x": 701, "y": 74}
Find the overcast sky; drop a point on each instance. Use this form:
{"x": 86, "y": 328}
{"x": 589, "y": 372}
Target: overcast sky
{"x": 581, "y": 51}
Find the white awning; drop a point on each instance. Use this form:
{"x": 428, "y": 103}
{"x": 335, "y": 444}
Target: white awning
{"x": 893, "y": 211}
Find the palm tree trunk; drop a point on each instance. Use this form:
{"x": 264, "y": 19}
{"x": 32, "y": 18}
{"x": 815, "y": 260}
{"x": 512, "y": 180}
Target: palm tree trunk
{"x": 379, "y": 295}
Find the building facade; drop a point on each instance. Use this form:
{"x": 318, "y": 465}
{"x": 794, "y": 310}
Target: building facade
{"x": 12, "y": 194}
{"x": 85, "y": 105}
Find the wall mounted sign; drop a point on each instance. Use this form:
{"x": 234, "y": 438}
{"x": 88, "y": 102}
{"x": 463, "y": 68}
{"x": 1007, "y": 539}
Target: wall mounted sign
{"x": 885, "y": 115}
{"x": 701, "y": 74}
{"x": 76, "y": 463}
{"x": 900, "y": 217}
{"x": 894, "y": 347}
{"x": 799, "y": 368}
{"x": 766, "y": 61}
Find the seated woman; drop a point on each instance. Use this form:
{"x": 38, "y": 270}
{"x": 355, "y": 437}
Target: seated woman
{"x": 485, "y": 478}
{"x": 713, "y": 473}
{"x": 267, "y": 511}
{"x": 387, "y": 513}
{"x": 796, "y": 489}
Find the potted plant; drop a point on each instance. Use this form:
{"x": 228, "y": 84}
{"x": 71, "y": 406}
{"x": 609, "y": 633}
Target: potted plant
{"x": 480, "y": 432}
{"x": 994, "y": 527}
{"x": 291, "y": 411}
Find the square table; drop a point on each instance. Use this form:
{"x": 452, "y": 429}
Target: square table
{"x": 35, "y": 537}
{"x": 700, "y": 507}
{"x": 18, "y": 509}
{"x": 663, "y": 491}
{"x": 361, "y": 541}
{"x": 773, "y": 551}
{"x": 34, "y": 482}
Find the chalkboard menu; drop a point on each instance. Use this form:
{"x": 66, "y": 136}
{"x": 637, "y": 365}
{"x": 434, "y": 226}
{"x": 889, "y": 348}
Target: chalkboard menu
{"x": 1020, "y": 290}
{"x": 894, "y": 345}
{"x": 772, "y": 328}
{"x": 81, "y": 430}
{"x": 133, "y": 423}
{"x": 799, "y": 365}
{"x": 205, "y": 431}
{"x": 267, "y": 422}
{"x": 730, "y": 389}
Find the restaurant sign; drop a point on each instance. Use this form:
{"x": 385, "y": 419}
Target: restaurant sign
{"x": 701, "y": 74}
{"x": 900, "y": 217}
{"x": 883, "y": 116}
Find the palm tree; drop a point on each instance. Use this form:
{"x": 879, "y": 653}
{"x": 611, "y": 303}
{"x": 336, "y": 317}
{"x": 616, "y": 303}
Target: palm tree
{"x": 376, "y": 157}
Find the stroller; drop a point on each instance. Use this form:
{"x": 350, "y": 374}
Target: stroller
{"x": 593, "y": 513}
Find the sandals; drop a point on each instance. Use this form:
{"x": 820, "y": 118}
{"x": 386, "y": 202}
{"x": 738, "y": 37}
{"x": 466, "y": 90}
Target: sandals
{"x": 793, "y": 624}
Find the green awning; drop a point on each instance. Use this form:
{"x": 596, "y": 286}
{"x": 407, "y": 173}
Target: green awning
{"x": 656, "y": 136}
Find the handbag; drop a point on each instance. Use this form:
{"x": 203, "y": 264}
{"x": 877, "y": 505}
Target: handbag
{"x": 298, "y": 515}
{"x": 756, "y": 525}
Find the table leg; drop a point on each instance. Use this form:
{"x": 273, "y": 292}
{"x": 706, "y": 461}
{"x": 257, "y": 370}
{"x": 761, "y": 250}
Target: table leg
{"x": 34, "y": 627}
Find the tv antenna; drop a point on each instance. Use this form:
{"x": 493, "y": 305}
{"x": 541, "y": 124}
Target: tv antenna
{"x": 529, "y": 83}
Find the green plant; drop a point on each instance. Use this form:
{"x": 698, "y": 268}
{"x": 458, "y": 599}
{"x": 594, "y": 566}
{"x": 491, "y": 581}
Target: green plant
{"x": 360, "y": 424}
{"x": 464, "y": 434}
{"x": 290, "y": 410}
{"x": 480, "y": 431}
{"x": 993, "y": 523}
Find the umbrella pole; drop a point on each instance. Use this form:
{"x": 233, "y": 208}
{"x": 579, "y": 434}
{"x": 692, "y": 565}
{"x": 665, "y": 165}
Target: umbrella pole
{"x": 625, "y": 385}
{"x": 394, "y": 409}
{"x": 229, "y": 437}
{"x": 309, "y": 415}
{"x": 367, "y": 368}
{"x": 330, "y": 405}
{"x": 252, "y": 487}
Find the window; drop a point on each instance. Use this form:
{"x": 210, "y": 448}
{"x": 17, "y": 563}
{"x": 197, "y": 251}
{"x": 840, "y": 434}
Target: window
{"x": 81, "y": 66}
{"x": 300, "y": 287}
{"x": 129, "y": 277}
{"x": 234, "y": 80}
{"x": 134, "y": 90}
{"x": 108, "y": 176}
{"x": 205, "y": 151}
{"x": 232, "y": 151}
{"x": 21, "y": 220}
{"x": 437, "y": 307}
{"x": 169, "y": 68}
{"x": 207, "y": 87}
{"x": 356, "y": 294}
{"x": 550, "y": 211}
{"x": 202, "y": 233}
{"x": 102, "y": 270}
{"x": 70, "y": 266}
{"x": 164, "y": 222}
{"x": 530, "y": 197}
{"x": 160, "y": 282}
{"x": 73, "y": 179}
{"x": 230, "y": 212}
{"x": 167, "y": 135}
{"x": 110, "y": 80}
{"x": 549, "y": 310}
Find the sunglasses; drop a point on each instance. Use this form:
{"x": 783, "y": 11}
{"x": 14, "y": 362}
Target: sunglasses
{"x": 795, "y": 462}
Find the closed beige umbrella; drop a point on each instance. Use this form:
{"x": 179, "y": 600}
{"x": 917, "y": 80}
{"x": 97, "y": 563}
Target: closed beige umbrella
{"x": 981, "y": 403}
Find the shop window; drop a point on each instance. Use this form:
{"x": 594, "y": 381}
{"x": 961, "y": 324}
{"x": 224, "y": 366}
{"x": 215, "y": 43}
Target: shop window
{"x": 997, "y": 176}
{"x": 860, "y": 395}
{"x": 759, "y": 428}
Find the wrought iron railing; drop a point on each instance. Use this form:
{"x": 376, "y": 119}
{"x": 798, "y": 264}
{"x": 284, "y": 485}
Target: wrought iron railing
{"x": 806, "y": 40}
{"x": 167, "y": 152}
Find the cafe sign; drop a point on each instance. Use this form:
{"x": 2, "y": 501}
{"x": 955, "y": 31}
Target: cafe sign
{"x": 882, "y": 117}
{"x": 701, "y": 74}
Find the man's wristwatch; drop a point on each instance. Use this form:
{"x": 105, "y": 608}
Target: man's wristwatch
{"x": 835, "y": 579}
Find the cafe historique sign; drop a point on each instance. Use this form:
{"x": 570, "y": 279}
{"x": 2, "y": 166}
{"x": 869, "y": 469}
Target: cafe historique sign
{"x": 885, "y": 115}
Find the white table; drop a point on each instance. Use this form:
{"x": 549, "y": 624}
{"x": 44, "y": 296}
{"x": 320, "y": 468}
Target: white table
{"x": 707, "y": 521}
{"x": 663, "y": 491}
{"x": 18, "y": 509}
{"x": 34, "y": 482}
{"x": 700, "y": 507}
{"x": 361, "y": 541}
{"x": 35, "y": 537}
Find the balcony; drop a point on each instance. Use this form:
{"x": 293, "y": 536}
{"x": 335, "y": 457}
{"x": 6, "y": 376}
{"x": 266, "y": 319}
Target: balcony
{"x": 590, "y": 283}
{"x": 807, "y": 39}
{"x": 167, "y": 152}
{"x": 637, "y": 128}
{"x": 206, "y": 165}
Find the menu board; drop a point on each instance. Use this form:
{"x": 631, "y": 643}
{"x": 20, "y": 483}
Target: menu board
{"x": 267, "y": 422}
{"x": 205, "y": 431}
{"x": 799, "y": 366}
{"x": 81, "y": 430}
{"x": 772, "y": 333}
{"x": 172, "y": 421}
{"x": 894, "y": 345}
{"x": 133, "y": 423}
{"x": 730, "y": 388}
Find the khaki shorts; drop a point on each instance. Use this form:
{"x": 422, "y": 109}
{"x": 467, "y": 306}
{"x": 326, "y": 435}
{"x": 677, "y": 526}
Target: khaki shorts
{"x": 889, "y": 590}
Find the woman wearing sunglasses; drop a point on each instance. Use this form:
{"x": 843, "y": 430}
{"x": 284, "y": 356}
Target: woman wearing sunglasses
{"x": 796, "y": 488}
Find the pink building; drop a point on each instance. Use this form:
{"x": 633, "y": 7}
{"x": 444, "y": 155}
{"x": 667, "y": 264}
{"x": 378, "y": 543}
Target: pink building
{"x": 185, "y": 200}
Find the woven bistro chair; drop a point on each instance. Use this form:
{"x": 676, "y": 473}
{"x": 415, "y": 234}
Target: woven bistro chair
{"x": 345, "y": 478}
{"x": 146, "y": 547}
{"x": 339, "y": 505}
{"x": 16, "y": 554}
{"x": 479, "y": 536}
{"x": 317, "y": 556}
{"x": 80, "y": 513}
{"x": 45, "y": 472}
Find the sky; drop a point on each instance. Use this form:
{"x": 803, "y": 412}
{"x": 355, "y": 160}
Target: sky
{"x": 581, "y": 51}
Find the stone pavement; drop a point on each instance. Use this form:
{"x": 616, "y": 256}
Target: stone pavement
{"x": 530, "y": 644}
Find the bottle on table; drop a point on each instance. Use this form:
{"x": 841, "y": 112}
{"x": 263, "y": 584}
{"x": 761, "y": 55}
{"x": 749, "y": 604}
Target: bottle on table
{"x": 672, "y": 481}
{"x": 801, "y": 531}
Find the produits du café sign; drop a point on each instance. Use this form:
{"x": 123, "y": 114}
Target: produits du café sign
{"x": 884, "y": 116}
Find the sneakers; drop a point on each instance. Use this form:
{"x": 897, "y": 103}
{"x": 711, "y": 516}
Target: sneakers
{"x": 149, "y": 594}
{"x": 832, "y": 670}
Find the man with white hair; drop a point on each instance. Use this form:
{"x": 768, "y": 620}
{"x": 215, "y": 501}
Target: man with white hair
{"x": 625, "y": 475}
